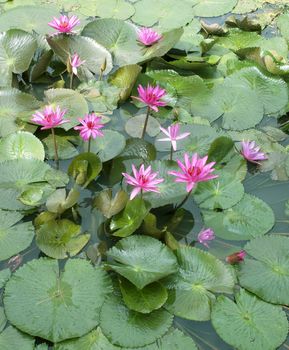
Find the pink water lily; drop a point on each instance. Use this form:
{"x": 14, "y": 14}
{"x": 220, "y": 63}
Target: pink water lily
{"x": 90, "y": 126}
{"x": 236, "y": 257}
{"x": 194, "y": 171}
{"x": 206, "y": 235}
{"x": 151, "y": 96}
{"x": 173, "y": 136}
{"x": 50, "y": 117}
{"x": 75, "y": 62}
{"x": 148, "y": 36}
{"x": 144, "y": 180}
{"x": 251, "y": 152}
{"x": 64, "y": 24}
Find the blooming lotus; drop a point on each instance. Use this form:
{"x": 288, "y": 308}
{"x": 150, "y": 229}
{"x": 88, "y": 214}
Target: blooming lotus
{"x": 206, "y": 235}
{"x": 144, "y": 180}
{"x": 75, "y": 62}
{"x": 90, "y": 126}
{"x": 148, "y": 36}
{"x": 173, "y": 136}
{"x": 50, "y": 117}
{"x": 236, "y": 257}
{"x": 194, "y": 171}
{"x": 151, "y": 96}
{"x": 251, "y": 152}
{"x": 64, "y": 24}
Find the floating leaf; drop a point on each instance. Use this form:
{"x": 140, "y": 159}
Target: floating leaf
{"x": 191, "y": 289}
{"x": 16, "y": 51}
{"x": 58, "y": 300}
{"x": 60, "y": 239}
{"x": 14, "y": 238}
{"x": 175, "y": 340}
{"x": 110, "y": 206}
{"x": 58, "y": 202}
{"x": 65, "y": 146}
{"x": 125, "y": 223}
{"x": 134, "y": 126}
{"x": 265, "y": 271}
{"x": 220, "y": 148}
{"x": 20, "y": 145}
{"x": 249, "y": 324}
{"x": 212, "y": 8}
{"x": 128, "y": 328}
{"x": 11, "y": 339}
{"x": 120, "y": 9}
{"x": 138, "y": 149}
{"x": 85, "y": 168}
{"x": 220, "y": 193}
{"x": 142, "y": 260}
{"x": 4, "y": 277}
{"x": 13, "y": 104}
{"x": 109, "y": 146}
{"x": 250, "y": 218}
{"x": 3, "y": 319}
{"x": 144, "y": 300}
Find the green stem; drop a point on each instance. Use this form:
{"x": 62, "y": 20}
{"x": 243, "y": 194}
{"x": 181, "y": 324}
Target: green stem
{"x": 71, "y": 80}
{"x": 89, "y": 145}
{"x": 184, "y": 200}
{"x": 146, "y": 123}
{"x": 100, "y": 75}
{"x": 55, "y": 149}
{"x": 172, "y": 151}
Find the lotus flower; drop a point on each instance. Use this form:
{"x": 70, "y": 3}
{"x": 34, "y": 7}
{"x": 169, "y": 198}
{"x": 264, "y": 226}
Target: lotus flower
{"x": 194, "y": 171}
{"x": 206, "y": 235}
{"x": 172, "y": 133}
{"x": 50, "y": 117}
{"x": 236, "y": 257}
{"x": 75, "y": 62}
{"x": 251, "y": 152}
{"x": 144, "y": 180}
{"x": 151, "y": 96}
{"x": 90, "y": 126}
{"x": 64, "y": 24}
{"x": 148, "y": 37}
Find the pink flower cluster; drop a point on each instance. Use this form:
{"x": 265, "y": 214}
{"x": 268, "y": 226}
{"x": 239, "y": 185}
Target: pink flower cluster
{"x": 64, "y": 24}
{"x": 148, "y": 36}
{"x": 151, "y": 96}
{"x": 90, "y": 126}
{"x": 251, "y": 152}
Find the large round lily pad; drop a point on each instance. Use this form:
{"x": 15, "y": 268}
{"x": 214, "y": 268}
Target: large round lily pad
{"x": 45, "y": 302}
{"x": 265, "y": 271}
{"x": 191, "y": 289}
{"x": 249, "y": 218}
{"x": 212, "y": 8}
{"x": 11, "y": 339}
{"x": 250, "y": 323}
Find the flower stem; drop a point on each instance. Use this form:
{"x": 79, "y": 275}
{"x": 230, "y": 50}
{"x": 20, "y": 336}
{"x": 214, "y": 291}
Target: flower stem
{"x": 146, "y": 123}
{"x": 184, "y": 200}
{"x": 55, "y": 149}
{"x": 71, "y": 80}
{"x": 171, "y": 155}
{"x": 89, "y": 144}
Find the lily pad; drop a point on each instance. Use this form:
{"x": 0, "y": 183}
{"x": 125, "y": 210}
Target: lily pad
{"x": 3, "y": 319}
{"x": 265, "y": 270}
{"x": 60, "y": 239}
{"x": 212, "y": 8}
{"x": 120, "y": 9}
{"x": 109, "y": 146}
{"x": 65, "y": 146}
{"x": 128, "y": 328}
{"x": 134, "y": 126}
{"x": 192, "y": 288}
{"x": 56, "y": 300}
{"x": 11, "y": 339}
{"x": 4, "y": 277}
{"x": 110, "y": 206}
{"x": 249, "y": 218}
{"x": 142, "y": 260}
{"x": 250, "y": 323}
{"x": 14, "y": 237}
{"x": 13, "y": 105}
{"x": 20, "y": 145}
{"x": 145, "y": 300}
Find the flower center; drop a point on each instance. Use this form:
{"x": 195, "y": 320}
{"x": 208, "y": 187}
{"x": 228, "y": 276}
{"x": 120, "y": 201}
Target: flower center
{"x": 194, "y": 171}
{"x": 64, "y": 24}
{"x": 90, "y": 125}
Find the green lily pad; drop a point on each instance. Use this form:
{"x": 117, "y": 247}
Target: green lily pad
{"x": 71, "y": 100}
{"x": 88, "y": 50}
{"x": 60, "y": 239}
{"x": 134, "y": 126}
{"x": 20, "y": 145}
{"x": 142, "y": 260}
{"x": 238, "y": 39}
{"x": 65, "y": 147}
{"x": 249, "y": 218}
{"x": 109, "y": 146}
{"x": 191, "y": 289}
{"x": 174, "y": 340}
{"x": 145, "y": 300}
{"x": 212, "y": 8}
{"x": 128, "y": 328}
{"x": 14, "y": 104}
{"x": 138, "y": 149}
{"x": 129, "y": 220}
{"x": 4, "y": 277}
{"x": 250, "y": 323}
{"x": 220, "y": 193}
{"x": 58, "y": 202}
{"x": 11, "y": 339}
{"x": 58, "y": 300}
{"x": 110, "y": 206}
{"x": 16, "y": 51}
{"x": 119, "y": 9}
{"x": 3, "y": 319}
{"x": 14, "y": 238}
{"x": 170, "y": 191}
{"x": 265, "y": 270}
